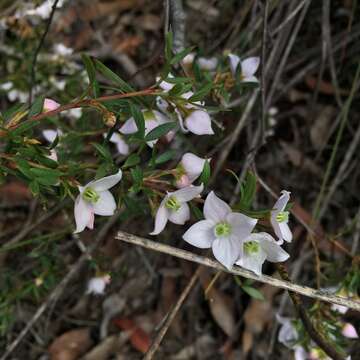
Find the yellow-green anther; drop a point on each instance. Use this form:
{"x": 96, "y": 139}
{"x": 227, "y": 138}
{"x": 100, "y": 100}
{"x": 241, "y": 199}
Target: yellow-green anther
{"x": 282, "y": 216}
{"x": 90, "y": 195}
{"x": 172, "y": 203}
{"x": 251, "y": 247}
{"x": 222, "y": 229}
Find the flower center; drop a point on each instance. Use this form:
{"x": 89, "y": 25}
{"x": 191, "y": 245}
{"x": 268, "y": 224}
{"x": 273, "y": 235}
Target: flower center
{"x": 172, "y": 203}
{"x": 251, "y": 247}
{"x": 282, "y": 216}
{"x": 90, "y": 195}
{"x": 148, "y": 115}
{"x": 222, "y": 229}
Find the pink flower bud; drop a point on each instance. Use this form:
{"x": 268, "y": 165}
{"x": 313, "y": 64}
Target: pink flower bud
{"x": 50, "y": 105}
{"x": 199, "y": 123}
{"x": 349, "y": 331}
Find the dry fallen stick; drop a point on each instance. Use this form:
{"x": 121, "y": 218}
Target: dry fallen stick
{"x": 187, "y": 255}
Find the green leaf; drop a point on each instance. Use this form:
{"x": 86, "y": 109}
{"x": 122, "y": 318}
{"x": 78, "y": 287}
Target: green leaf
{"x": 131, "y": 161}
{"x": 254, "y": 293}
{"x": 160, "y": 131}
{"x": 25, "y": 126}
{"x": 179, "y": 56}
{"x": 205, "y": 174}
{"x": 36, "y": 107}
{"x": 34, "y": 187}
{"x": 164, "y": 157}
{"x": 116, "y": 79}
{"x": 90, "y": 69}
{"x": 168, "y": 46}
{"x": 45, "y": 172}
{"x": 103, "y": 151}
{"x": 139, "y": 120}
{"x": 137, "y": 175}
{"x": 248, "y": 190}
{"x": 200, "y": 94}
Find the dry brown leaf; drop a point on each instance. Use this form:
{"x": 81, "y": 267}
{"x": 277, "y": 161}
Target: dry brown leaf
{"x": 127, "y": 45}
{"x": 257, "y": 316}
{"x": 71, "y": 345}
{"x": 221, "y": 305}
{"x": 149, "y": 22}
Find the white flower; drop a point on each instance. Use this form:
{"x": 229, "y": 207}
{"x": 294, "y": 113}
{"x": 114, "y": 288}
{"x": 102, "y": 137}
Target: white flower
{"x": 339, "y": 308}
{"x": 288, "y": 335}
{"x": 75, "y": 113}
{"x": 279, "y": 218}
{"x": 300, "y": 353}
{"x": 190, "y": 168}
{"x": 349, "y": 331}
{"x": 209, "y": 64}
{"x": 248, "y": 67}
{"x": 95, "y": 198}
{"x": 188, "y": 59}
{"x": 121, "y": 145}
{"x": 6, "y": 86}
{"x": 259, "y": 247}
{"x": 199, "y": 123}
{"x": 174, "y": 207}
{"x": 44, "y": 10}
{"x": 222, "y": 230}
{"x": 97, "y": 284}
{"x": 50, "y": 105}
{"x": 153, "y": 119}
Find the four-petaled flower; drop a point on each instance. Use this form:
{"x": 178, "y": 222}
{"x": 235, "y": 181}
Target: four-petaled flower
{"x": 247, "y": 69}
{"x": 222, "y": 230}
{"x": 259, "y": 247}
{"x": 153, "y": 119}
{"x": 189, "y": 169}
{"x": 174, "y": 207}
{"x": 279, "y": 218}
{"x": 95, "y": 198}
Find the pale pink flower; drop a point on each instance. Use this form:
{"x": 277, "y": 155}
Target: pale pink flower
{"x": 279, "y": 218}
{"x": 248, "y": 67}
{"x": 222, "y": 230}
{"x": 349, "y": 331}
{"x": 192, "y": 166}
{"x": 95, "y": 198}
{"x": 199, "y": 123}
{"x": 174, "y": 207}
{"x": 98, "y": 284}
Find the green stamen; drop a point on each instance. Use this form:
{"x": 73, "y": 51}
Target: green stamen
{"x": 90, "y": 195}
{"x": 282, "y": 216}
{"x": 222, "y": 229}
{"x": 172, "y": 203}
{"x": 251, "y": 247}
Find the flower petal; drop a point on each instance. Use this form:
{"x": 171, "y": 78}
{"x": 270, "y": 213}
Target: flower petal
{"x": 241, "y": 225}
{"x": 106, "y": 182}
{"x": 83, "y": 212}
{"x": 234, "y": 62}
{"x": 288, "y": 335}
{"x": 199, "y": 123}
{"x": 226, "y": 251}
{"x": 193, "y": 165}
{"x": 121, "y": 145}
{"x": 160, "y": 118}
{"x": 300, "y": 353}
{"x": 349, "y": 331}
{"x": 215, "y": 209}
{"x": 181, "y": 215}
{"x": 282, "y": 201}
{"x": 106, "y": 204}
{"x": 129, "y": 127}
{"x": 162, "y": 104}
{"x": 252, "y": 79}
{"x": 161, "y": 218}
{"x": 187, "y": 193}
{"x": 50, "y": 105}
{"x": 209, "y": 64}
{"x": 201, "y": 234}
{"x": 249, "y": 66}
{"x": 285, "y": 231}
{"x": 50, "y": 135}
{"x": 272, "y": 249}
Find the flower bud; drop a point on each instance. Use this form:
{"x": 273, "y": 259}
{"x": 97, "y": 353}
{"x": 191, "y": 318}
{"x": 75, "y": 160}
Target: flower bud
{"x": 50, "y": 105}
{"x": 109, "y": 119}
{"x": 349, "y": 331}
